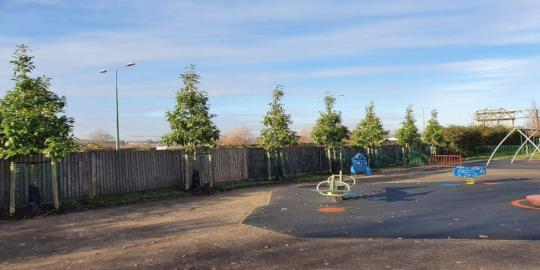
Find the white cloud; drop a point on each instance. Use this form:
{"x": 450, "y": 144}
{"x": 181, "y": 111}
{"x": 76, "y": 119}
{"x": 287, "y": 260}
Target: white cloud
{"x": 41, "y": 2}
{"x": 492, "y": 68}
{"x": 173, "y": 37}
{"x": 244, "y": 45}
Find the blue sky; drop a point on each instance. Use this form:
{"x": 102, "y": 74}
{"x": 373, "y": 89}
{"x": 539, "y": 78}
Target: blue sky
{"x": 455, "y": 56}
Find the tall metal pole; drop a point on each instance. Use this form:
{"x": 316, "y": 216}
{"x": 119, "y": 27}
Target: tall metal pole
{"x": 117, "y": 120}
{"x": 423, "y": 119}
{"x": 130, "y": 64}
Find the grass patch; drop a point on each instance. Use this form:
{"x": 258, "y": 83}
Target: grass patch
{"x": 505, "y": 157}
{"x": 256, "y": 183}
{"x": 161, "y": 194}
{"x": 123, "y": 199}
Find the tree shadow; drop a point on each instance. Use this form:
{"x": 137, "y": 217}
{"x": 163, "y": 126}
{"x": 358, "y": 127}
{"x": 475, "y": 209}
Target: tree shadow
{"x": 498, "y": 181}
{"x": 395, "y": 194}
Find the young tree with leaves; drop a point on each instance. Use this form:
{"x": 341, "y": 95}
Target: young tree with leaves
{"x": 190, "y": 121}
{"x": 433, "y": 135}
{"x": 276, "y": 133}
{"x": 329, "y": 130}
{"x": 407, "y": 134}
{"x": 369, "y": 133}
{"x": 32, "y": 119}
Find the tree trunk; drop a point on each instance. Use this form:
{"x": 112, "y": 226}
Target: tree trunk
{"x": 368, "y": 155}
{"x": 341, "y": 160}
{"x": 54, "y": 185}
{"x": 329, "y": 160}
{"x": 187, "y": 172}
{"x": 269, "y": 165}
{"x": 282, "y": 164}
{"x": 12, "y": 188}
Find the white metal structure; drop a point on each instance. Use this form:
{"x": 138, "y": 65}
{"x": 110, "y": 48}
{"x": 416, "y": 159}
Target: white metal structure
{"x": 533, "y": 131}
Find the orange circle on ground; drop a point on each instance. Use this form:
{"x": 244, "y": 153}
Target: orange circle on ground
{"x": 331, "y": 209}
{"x": 519, "y": 203}
{"x": 534, "y": 199}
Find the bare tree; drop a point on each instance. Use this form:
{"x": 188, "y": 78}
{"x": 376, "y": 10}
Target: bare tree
{"x": 304, "y": 135}
{"x": 238, "y": 136}
{"x": 99, "y": 139}
{"x": 534, "y": 118}
{"x": 101, "y": 136}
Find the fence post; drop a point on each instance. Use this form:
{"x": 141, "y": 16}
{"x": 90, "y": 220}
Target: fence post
{"x": 12, "y": 188}
{"x": 54, "y": 185}
{"x": 246, "y": 165}
{"x": 93, "y": 178}
{"x": 187, "y": 170}
{"x": 211, "y": 170}
{"x": 320, "y": 160}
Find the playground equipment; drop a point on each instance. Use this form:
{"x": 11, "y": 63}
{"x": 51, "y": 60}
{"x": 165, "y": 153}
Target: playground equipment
{"x": 360, "y": 165}
{"x": 337, "y": 186}
{"x": 522, "y": 132}
{"x": 469, "y": 172}
{"x": 531, "y": 202}
{"x": 534, "y": 200}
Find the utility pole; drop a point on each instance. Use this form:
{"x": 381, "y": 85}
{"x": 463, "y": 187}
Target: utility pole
{"x": 424, "y": 118}
{"x": 130, "y": 64}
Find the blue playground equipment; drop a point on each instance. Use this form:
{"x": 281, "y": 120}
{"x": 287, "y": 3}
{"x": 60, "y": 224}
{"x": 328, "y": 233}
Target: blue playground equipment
{"x": 469, "y": 172}
{"x": 360, "y": 165}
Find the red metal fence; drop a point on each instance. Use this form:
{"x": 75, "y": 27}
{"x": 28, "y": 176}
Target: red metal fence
{"x": 445, "y": 160}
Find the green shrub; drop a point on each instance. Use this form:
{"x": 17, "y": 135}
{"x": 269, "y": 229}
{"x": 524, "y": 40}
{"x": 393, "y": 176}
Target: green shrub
{"x": 465, "y": 139}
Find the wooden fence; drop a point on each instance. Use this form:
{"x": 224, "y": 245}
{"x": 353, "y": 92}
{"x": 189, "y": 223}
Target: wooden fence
{"x": 99, "y": 173}
{"x": 90, "y": 174}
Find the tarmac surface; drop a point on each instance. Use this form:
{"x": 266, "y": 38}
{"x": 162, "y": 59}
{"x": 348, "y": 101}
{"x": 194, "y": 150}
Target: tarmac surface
{"x": 443, "y": 207}
{"x": 211, "y": 232}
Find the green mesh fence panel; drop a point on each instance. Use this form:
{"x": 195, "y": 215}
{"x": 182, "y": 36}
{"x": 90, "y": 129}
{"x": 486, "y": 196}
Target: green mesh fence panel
{"x": 506, "y": 152}
{"x": 27, "y": 173}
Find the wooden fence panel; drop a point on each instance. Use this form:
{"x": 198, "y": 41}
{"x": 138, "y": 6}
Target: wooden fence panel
{"x": 294, "y": 160}
{"x": 229, "y": 164}
{"x": 257, "y": 163}
{"x": 121, "y": 172}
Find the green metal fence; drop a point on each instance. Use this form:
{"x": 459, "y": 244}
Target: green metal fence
{"x": 389, "y": 156}
{"x": 32, "y": 174}
{"x": 506, "y": 152}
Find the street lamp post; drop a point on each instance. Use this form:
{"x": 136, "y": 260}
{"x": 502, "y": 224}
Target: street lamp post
{"x": 130, "y": 64}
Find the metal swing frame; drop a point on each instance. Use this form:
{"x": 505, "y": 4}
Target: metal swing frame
{"x": 527, "y": 141}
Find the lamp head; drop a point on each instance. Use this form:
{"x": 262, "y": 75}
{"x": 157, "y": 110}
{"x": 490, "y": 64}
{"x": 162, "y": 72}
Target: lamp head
{"x": 103, "y": 71}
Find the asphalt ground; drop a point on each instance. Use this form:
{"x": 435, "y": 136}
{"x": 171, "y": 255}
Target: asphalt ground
{"x": 425, "y": 205}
